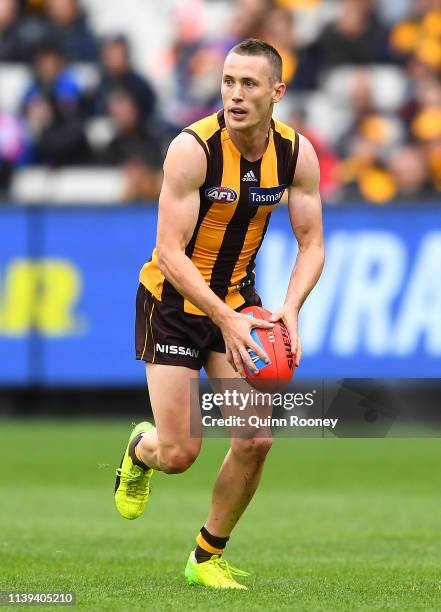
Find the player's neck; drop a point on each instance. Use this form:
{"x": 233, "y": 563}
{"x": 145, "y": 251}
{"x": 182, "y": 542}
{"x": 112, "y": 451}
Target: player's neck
{"x": 251, "y": 143}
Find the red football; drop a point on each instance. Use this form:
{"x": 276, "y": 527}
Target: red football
{"x": 276, "y": 342}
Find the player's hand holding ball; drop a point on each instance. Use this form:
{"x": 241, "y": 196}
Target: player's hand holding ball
{"x": 275, "y": 374}
{"x": 239, "y": 340}
{"x": 289, "y": 318}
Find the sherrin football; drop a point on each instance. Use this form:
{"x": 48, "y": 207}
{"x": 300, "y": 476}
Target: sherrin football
{"x": 276, "y": 342}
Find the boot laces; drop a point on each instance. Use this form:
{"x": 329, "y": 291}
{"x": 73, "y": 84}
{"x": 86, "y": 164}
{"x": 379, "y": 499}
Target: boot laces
{"x": 228, "y": 569}
{"x": 134, "y": 482}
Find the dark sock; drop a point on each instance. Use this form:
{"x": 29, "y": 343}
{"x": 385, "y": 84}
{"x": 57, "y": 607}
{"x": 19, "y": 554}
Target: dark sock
{"x": 208, "y": 545}
{"x": 133, "y": 454}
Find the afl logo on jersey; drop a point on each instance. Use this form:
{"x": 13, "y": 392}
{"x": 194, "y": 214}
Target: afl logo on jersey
{"x": 221, "y": 194}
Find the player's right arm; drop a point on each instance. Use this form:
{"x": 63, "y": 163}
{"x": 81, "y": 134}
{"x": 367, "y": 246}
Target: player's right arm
{"x": 184, "y": 172}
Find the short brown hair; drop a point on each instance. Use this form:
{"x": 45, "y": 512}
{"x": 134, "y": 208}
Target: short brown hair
{"x": 255, "y": 46}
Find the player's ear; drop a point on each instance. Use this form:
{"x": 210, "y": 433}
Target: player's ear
{"x": 279, "y": 92}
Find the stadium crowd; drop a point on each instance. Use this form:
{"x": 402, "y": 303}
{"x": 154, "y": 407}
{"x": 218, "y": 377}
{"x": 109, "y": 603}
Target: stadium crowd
{"x": 363, "y": 82}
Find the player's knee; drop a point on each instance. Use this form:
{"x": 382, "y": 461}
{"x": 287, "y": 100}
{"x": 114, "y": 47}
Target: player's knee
{"x": 261, "y": 447}
{"x": 253, "y": 449}
{"x": 177, "y": 460}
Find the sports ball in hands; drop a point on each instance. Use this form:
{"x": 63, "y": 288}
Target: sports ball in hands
{"x": 276, "y": 342}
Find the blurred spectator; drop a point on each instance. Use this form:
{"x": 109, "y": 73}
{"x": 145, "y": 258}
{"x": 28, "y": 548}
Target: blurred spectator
{"x": 247, "y": 20}
{"x": 68, "y": 24}
{"x": 356, "y": 37}
{"x": 18, "y": 35}
{"x": 51, "y": 105}
{"x": 278, "y": 30}
{"x": 197, "y": 60}
{"x": 410, "y": 174}
{"x": 300, "y": 64}
{"x": 196, "y": 66}
{"x": 425, "y": 90}
{"x": 13, "y": 148}
{"x": 419, "y": 36}
{"x": 367, "y": 144}
{"x": 426, "y": 120}
{"x": 10, "y": 48}
{"x": 118, "y": 74}
{"x": 425, "y": 126}
{"x": 135, "y": 146}
{"x": 380, "y": 130}
{"x": 380, "y": 142}
{"x": 404, "y": 177}
{"x": 328, "y": 159}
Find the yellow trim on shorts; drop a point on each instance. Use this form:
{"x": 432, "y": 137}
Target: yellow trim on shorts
{"x": 151, "y": 331}
{"x": 146, "y": 332}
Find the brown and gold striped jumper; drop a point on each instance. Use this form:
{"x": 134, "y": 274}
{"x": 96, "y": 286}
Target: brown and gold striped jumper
{"x": 236, "y": 202}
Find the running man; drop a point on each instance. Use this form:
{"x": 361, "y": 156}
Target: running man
{"x": 223, "y": 176}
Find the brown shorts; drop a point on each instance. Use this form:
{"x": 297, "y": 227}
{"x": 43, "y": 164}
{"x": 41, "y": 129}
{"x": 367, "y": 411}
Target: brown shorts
{"x": 168, "y": 336}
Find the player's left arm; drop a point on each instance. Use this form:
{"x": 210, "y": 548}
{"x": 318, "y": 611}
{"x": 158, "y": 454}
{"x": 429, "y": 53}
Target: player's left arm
{"x": 305, "y": 212}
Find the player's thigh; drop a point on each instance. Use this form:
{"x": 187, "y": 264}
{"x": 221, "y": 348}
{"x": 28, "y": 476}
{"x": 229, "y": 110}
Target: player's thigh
{"x": 175, "y": 404}
{"x": 223, "y": 378}
{"x": 217, "y": 366}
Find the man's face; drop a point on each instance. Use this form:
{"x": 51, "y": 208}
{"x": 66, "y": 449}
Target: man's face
{"x": 48, "y": 65}
{"x": 248, "y": 90}
{"x": 8, "y": 12}
{"x": 62, "y": 12}
{"x": 123, "y": 111}
{"x": 115, "y": 57}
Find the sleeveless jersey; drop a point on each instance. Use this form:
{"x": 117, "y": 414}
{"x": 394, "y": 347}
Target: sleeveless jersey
{"x": 236, "y": 201}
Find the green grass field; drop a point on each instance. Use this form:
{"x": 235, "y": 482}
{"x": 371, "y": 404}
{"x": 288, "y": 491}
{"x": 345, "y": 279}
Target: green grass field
{"x": 337, "y": 524}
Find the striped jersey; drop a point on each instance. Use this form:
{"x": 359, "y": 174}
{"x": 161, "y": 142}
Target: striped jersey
{"x": 236, "y": 202}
